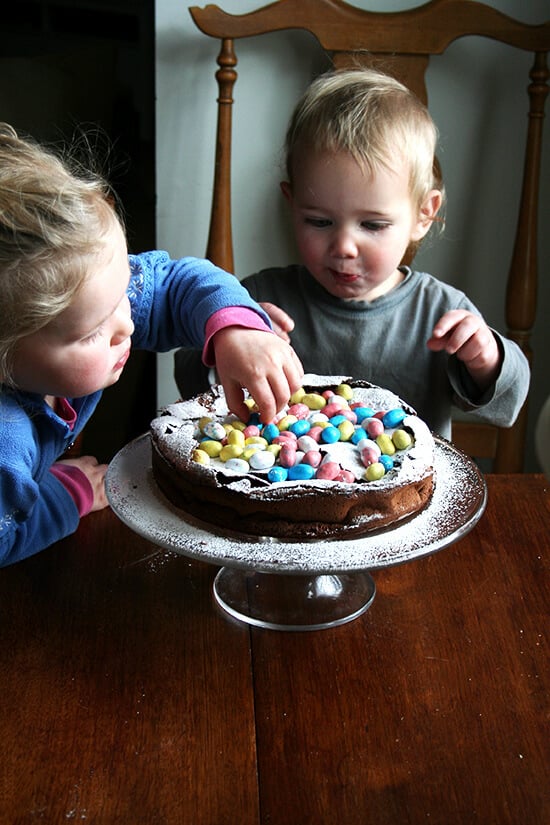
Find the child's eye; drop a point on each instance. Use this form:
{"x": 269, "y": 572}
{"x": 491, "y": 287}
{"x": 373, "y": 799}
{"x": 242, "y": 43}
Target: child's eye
{"x": 89, "y": 339}
{"x": 375, "y": 226}
{"x": 318, "y": 223}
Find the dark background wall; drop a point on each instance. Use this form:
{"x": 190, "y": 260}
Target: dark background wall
{"x": 73, "y": 65}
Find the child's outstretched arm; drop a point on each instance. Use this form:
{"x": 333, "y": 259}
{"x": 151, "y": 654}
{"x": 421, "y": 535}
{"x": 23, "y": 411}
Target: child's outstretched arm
{"x": 260, "y": 361}
{"x": 466, "y": 335}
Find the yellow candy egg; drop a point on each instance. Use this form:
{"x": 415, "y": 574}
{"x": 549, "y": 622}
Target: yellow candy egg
{"x": 346, "y": 430}
{"x": 345, "y": 391}
{"x": 297, "y": 396}
{"x": 256, "y": 439}
{"x": 235, "y": 436}
{"x": 211, "y": 448}
{"x": 387, "y": 447}
{"x": 286, "y": 421}
{"x": 231, "y": 451}
{"x": 314, "y": 401}
{"x": 200, "y": 456}
{"x": 402, "y": 439}
{"x": 375, "y": 471}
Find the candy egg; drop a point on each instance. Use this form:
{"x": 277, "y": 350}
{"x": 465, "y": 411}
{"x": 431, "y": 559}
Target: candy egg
{"x": 298, "y": 396}
{"x": 214, "y": 430}
{"x": 231, "y": 451}
{"x": 363, "y": 412}
{"x": 236, "y": 437}
{"x": 251, "y": 430}
{"x": 373, "y": 426}
{"x": 402, "y": 439}
{"x": 287, "y": 456}
{"x": 301, "y": 472}
{"x": 369, "y": 456}
{"x": 314, "y": 401}
{"x": 312, "y": 457}
{"x": 315, "y": 433}
{"x": 358, "y": 434}
{"x": 386, "y": 444}
{"x": 200, "y": 456}
{"x": 345, "y": 391}
{"x": 375, "y": 471}
{"x": 269, "y": 432}
{"x": 299, "y": 410}
{"x": 256, "y": 440}
{"x": 346, "y": 429}
{"x": 306, "y": 443}
{"x": 330, "y": 435}
{"x": 387, "y": 462}
{"x": 210, "y": 447}
{"x": 237, "y": 465}
{"x": 333, "y": 408}
{"x": 286, "y": 421}
{"x": 346, "y": 476}
{"x": 277, "y": 474}
{"x": 328, "y": 471}
{"x": 300, "y": 427}
{"x": 262, "y": 460}
{"x": 393, "y": 418}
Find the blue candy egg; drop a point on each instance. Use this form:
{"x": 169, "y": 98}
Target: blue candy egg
{"x": 269, "y": 432}
{"x": 330, "y": 434}
{"x": 386, "y": 461}
{"x": 358, "y": 435}
{"x": 277, "y": 474}
{"x": 301, "y": 472}
{"x": 363, "y": 412}
{"x": 300, "y": 427}
{"x": 393, "y": 418}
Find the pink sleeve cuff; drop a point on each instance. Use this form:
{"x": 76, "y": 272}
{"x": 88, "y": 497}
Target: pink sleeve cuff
{"x": 77, "y": 485}
{"x": 229, "y": 317}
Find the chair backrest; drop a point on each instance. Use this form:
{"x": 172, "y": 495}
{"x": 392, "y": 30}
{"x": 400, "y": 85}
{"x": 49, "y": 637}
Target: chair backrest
{"x": 401, "y": 44}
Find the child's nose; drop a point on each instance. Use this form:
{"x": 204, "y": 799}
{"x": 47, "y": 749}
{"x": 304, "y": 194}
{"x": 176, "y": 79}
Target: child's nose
{"x": 125, "y": 325}
{"x": 343, "y": 244}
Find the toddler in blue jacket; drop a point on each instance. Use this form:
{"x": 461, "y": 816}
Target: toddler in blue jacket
{"x": 73, "y": 304}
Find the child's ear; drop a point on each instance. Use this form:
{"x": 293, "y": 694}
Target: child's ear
{"x": 286, "y": 189}
{"x": 426, "y": 216}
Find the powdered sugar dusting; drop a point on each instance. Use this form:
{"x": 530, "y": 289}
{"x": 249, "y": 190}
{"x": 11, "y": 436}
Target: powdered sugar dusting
{"x": 177, "y": 435}
{"x": 458, "y": 502}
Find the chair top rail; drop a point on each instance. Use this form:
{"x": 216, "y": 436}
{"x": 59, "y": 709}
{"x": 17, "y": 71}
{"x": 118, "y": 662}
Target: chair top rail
{"x": 339, "y": 26}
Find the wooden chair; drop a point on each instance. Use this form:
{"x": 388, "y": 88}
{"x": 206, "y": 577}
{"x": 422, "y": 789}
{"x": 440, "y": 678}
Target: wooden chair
{"x": 400, "y": 43}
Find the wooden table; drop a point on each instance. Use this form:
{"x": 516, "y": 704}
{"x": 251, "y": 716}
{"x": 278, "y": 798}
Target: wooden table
{"x": 128, "y": 696}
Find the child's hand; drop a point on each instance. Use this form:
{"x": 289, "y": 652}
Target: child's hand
{"x": 95, "y": 473}
{"x": 281, "y": 321}
{"x": 467, "y": 336}
{"x": 260, "y": 361}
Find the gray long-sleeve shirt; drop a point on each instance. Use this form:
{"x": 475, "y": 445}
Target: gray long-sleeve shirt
{"x": 384, "y": 342}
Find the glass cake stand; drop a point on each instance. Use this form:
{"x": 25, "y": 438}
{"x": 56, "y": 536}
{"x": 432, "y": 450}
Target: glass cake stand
{"x": 285, "y": 585}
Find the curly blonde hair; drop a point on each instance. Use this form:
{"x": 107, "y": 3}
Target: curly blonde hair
{"x": 54, "y": 215}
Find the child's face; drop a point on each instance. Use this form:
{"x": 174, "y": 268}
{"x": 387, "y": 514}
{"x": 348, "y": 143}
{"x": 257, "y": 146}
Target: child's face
{"x": 353, "y": 228}
{"x": 86, "y": 347}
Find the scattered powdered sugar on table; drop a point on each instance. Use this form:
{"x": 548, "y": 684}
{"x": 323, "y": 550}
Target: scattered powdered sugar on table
{"x": 457, "y": 504}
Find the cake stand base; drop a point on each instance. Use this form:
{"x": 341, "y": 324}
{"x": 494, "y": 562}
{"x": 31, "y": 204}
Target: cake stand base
{"x": 293, "y": 602}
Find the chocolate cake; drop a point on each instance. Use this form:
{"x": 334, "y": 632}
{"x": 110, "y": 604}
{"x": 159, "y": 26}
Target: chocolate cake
{"x": 345, "y": 458}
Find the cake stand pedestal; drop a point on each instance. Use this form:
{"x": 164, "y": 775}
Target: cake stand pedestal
{"x": 297, "y": 585}
{"x": 293, "y": 602}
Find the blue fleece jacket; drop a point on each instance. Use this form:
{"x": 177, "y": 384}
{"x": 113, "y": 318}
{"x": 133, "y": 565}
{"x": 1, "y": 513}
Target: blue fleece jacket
{"x": 171, "y": 301}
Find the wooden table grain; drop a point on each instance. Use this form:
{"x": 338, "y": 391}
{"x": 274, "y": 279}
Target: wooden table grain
{"x": 128, "y": 696}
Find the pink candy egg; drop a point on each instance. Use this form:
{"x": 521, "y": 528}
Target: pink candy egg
{"x": 287, "y": 456}
{"x": 328, "y": 470}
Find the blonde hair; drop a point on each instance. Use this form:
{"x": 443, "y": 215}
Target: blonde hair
{"x": 373, "y": 117}
{"x": 54, "y": 216}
